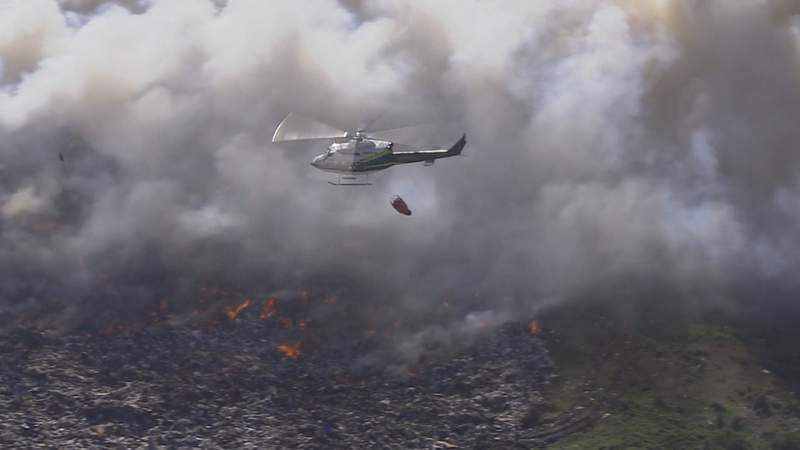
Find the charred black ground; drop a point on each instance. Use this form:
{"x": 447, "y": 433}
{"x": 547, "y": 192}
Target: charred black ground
{"x": 262, "y": 377}
{"x": 231, "y": 387}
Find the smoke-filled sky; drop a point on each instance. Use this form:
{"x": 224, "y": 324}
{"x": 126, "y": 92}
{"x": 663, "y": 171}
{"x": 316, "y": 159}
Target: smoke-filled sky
{"x": 616, "y": 149}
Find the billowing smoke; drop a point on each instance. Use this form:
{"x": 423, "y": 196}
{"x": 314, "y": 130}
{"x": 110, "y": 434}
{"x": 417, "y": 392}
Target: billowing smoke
{"x": 618, "y": 150}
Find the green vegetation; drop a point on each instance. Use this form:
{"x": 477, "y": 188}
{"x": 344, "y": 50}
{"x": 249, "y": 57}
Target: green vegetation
{"x": 676, "y": 385}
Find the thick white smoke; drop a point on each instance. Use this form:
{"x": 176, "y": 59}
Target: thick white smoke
{"x": 616, "y": 149}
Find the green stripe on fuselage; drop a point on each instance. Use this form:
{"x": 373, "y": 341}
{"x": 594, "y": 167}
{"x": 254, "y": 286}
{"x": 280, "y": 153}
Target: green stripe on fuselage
{"x": 378, "y": 161}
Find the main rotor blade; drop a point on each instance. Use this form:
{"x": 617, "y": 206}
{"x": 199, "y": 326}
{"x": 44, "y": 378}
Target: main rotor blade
{"x": 296, "y": 128}
{"x": 414, "y": 135}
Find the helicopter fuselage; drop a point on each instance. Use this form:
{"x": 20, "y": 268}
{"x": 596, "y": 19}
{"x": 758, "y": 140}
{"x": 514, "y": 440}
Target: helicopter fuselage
{"x": 355, "y": 155}
{"x": 362, "y": 155}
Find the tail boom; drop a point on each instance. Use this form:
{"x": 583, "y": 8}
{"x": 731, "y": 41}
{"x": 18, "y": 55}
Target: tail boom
{"x": 404, "y": 157}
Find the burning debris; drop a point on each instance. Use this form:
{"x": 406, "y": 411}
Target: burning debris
{"x": 233, "y": 311}
{"x": 535, "y": 328}
{"x": 291, "y": 350}
{"x": 268, "y": 310}
{"x": 286, "y": 323}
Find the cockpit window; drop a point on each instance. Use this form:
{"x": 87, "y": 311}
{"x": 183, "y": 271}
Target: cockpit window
{"x": 346, "y": 148}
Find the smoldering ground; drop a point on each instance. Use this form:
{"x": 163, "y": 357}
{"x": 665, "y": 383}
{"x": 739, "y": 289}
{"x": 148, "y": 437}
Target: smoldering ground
{"x": 617, "y": 150}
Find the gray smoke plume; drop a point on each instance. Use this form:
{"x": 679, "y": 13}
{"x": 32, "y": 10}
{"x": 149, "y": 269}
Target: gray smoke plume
{"x": 617, "y": 149}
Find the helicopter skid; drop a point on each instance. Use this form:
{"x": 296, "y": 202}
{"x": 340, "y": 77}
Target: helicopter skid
{"x": 350, "y": 180}
{"x": 334, "y": 183}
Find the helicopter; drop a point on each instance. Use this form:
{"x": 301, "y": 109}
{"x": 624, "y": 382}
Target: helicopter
{"x": 353, "y": 155}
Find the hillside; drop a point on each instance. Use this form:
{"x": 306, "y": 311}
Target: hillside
{"x": 666, "y": 383}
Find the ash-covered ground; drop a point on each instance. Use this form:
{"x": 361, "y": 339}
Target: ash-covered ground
{"x": 240, "y": 384}
{"x": 272, "y": 374}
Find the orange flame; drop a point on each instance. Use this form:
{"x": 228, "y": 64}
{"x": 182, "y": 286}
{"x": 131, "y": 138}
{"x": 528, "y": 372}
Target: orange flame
{"x": 535, "y": 327}
{"x": 268, "y": 310}
{"x": 291, "y": 350}
{"x": 233, "y": 311}
{"x": 286, "y": 322}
